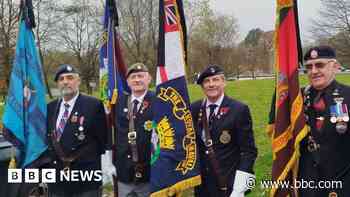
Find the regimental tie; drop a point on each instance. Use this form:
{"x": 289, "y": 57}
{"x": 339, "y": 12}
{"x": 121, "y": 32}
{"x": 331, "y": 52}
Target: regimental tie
{"x": 211, "y": 114}
{"x": 134, "y": 108}
{"x": 63, "y": 121}
{"x": 319, "y": 106}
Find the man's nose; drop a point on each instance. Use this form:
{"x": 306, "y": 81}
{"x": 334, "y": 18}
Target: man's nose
{"x": 314, "y": 69}
{"x": 211, "y": 83}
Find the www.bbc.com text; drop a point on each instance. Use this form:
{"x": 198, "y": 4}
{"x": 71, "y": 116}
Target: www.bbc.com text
{"x": 301, "y": 184}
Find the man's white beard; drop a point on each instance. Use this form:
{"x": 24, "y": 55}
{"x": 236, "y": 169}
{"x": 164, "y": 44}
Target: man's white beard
{"x": 67, "y": 92}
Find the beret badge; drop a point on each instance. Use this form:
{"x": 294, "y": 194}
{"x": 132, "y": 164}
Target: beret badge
{"x": 314, "y": 54}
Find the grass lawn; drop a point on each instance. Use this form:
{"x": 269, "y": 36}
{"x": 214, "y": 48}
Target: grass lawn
{"x": 257, "y": 95}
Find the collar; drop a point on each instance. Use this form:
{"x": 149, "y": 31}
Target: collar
{"x": 72, "y": 101}
{"x": 217, "y": 102}
{"x": 329, "y": 89}
{"x": 140, "y": 98}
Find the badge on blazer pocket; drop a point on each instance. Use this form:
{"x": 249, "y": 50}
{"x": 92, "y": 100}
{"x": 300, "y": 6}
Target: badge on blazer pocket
{"x": 225, "y": 137}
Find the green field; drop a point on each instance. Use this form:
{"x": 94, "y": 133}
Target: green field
{"x": 257, "y": 95}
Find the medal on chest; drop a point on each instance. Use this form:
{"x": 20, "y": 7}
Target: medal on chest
{"x": 339, "y": 114}
{"x": 81, "y": 134}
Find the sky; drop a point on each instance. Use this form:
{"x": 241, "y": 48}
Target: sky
{"x": 261, "y": 14}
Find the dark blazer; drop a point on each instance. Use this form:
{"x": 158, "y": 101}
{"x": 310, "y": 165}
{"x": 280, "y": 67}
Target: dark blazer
{"x": 233, "y": 121}
{"x": 124, "y": 164}
{"x": 95, "y": 131}
{"x": 333, "y": 153}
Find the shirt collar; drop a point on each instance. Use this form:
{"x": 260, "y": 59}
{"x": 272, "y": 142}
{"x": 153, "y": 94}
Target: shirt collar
{"x": 140, "y": 98}
{"x": 328, "y": 90}
{"x": 70, "y": 102}
{"x": 218, "y": 102}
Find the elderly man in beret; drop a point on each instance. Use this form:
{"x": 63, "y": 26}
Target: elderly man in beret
{"x": 77, "y": 132}
{"x": 324, "y": 166}
{"x": 133, "y": 122}
{"x": 225, "y": 139}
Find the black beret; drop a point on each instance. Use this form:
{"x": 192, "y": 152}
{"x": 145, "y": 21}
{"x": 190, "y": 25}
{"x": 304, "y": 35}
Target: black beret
{"x": 65, "y": 68}
{"x": 137, "y": 67}
{"x": 320, "y": 52}
{"x": 209, "y": 71}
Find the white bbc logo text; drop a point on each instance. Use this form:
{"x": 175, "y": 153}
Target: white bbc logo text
{"x": 31, "y": 176}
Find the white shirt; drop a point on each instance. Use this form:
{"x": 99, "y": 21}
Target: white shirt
{"x": 71, "y": 104}
{"x": 207, "y": 108}
{"x": 217, "y": 103}
{"x": 139, "y": 99}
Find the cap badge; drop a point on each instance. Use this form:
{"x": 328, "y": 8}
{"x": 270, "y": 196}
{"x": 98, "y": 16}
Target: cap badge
{"x": 313, "y": 54}
{"x": 212, "y": 70}
{"x": 69, "y": 68}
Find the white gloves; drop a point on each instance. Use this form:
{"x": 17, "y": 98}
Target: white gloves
{"x": 108, "y": 169}
{"x": 243, "y": 182}
{"x": 237, "y": 194}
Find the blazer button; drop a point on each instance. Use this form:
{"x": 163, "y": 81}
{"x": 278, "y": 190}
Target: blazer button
{"x": 55, "y": 162}
{"x": 73, "y": 148}
{"x": 129, "y": 156}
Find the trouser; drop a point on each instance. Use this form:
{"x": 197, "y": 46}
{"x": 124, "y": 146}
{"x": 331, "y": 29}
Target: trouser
{"x": 133, "y": 190}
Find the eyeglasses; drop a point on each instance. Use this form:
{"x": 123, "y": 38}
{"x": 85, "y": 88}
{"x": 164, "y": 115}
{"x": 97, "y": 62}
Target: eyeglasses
{"x": 318, "y": 65}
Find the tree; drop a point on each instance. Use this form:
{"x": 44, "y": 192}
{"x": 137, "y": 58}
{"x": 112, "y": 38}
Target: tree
{"x": 333, "y": 27}
{"x": 139, "y": 31}
{"x": 8, "y": 30}
{"x": 46, "y": 18}
{"x": 211, "y": 37}
{"x": 251, "y": 43}
{"x": 257, "y": 49}
{"x": 9, "y": 15}
{"x": 265, "y": 52}
{"x": 78, "y": 33}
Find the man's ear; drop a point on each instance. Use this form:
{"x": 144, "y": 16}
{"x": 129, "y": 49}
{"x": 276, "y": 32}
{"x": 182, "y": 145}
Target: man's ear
{"x": 79, "y": 80}
{"x": 150, "y": 76}
{"x": 337, "y": 66}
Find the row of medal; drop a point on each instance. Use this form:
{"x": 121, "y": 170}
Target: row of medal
{"x": 80, "y": 134}
{"x": 339, "y": 113}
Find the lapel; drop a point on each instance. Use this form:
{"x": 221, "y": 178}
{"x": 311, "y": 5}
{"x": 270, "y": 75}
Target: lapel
{"x": 201, "y": 114}
{"x": 222, "y": 112}
{"x": 76, "y": 112}
{"x": 124, "y": 105}
{"x": 53, "y": 120}
{"x": 144, "y": 106}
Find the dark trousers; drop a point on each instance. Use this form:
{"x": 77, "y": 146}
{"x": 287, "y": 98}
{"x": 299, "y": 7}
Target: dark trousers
{"x": 209, "y": 188}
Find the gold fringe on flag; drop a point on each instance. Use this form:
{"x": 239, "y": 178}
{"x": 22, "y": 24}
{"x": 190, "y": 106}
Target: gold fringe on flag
{"x": 114, "y": 97}
{"x": 178, "y": 187}
{"x": 12, "y": 163}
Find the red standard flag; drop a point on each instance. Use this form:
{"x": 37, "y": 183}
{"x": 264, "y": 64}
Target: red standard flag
{"x": 287, "y": 121}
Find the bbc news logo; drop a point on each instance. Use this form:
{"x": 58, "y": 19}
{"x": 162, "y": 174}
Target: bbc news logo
{"x": 50, "y": 176}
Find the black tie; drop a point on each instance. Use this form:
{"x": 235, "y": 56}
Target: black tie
{"x": 211, "y": 113}
{"x": 134, "y": 108}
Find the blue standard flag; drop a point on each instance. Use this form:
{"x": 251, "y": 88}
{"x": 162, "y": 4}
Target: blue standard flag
{"x": 112, "y": 67}
{"x": 174, "y": 163}
{"x": 24, "y": 116}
